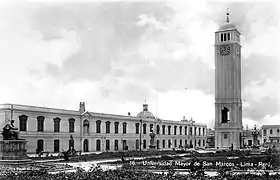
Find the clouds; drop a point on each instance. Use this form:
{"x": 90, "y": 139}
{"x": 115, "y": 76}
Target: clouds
{"x": 115, "y": 55}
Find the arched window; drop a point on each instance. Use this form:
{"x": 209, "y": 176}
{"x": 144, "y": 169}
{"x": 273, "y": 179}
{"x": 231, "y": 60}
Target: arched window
{"x": 56, "y": 146}
{"x": 137, "y": 128}
{"x": 191, "y": 132}
{"x": 199, "y": 131}
{"x": 203, "y": 130}
{"x": 40, "y": 145}
{"x": 158, "y": 144}
{"x": 225, "y": 37}
{"x": 116, "y": 127}
{"x": 186, "y": 142}
{"x": 181, "y": 143}
{"x": 124, "y": 127}
{"x": 169, "y": 143}
{"x": 56, "y": 124}
{"x": 175, "y": 143}
{"x": 228, "y": 36}
{"x": 264, "y": 132}
{"x": 203, "y": 142}
{"x": 163, "y": 143}
{"x": 158, "y": 129}
{"x": 86, "y": 126}
{"x": 195, "y": 129}
{"x": 180, "y": 129}
{"x": 186, "y": 130}
{"x": 108, "y": 123}
{"x": 137, "y": 144}
{"x": 222, "y": 37}
{"x": 40, "y": 123}
{"x": 98, "y": 126}
{"x": 71, "y": 142}
{"x": 107, "y": 145}
{"x": 144, "y": 144}
{"x": 175, "y": 130}
{"x": 169, "y": 130}
{"x": 271, "y": 131}
{"x": 71, "y": 125}
{"x": 98, "y": 145}
{"x": 144, "y": 128}
{"x": 23, "y": 122}
{"x": 124, "y": 145}
{"x": 116, "y": 145}
{"x": 151, "y": 127}
{"x": 163, "y": 129}
{"x": 85, "y": 145}
{"x": 278, "y": 131}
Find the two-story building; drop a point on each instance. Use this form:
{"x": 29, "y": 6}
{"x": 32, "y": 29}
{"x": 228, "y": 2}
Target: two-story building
{"x": 49, "y": 129}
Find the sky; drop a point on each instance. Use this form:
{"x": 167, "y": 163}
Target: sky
{"x": 116, "y": 55}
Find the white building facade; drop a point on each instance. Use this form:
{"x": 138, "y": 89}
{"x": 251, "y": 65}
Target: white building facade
{"x": 49, "y": 130}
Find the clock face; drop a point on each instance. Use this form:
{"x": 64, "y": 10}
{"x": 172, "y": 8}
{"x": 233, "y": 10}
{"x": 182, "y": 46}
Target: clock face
{"x": 225, "y": 50}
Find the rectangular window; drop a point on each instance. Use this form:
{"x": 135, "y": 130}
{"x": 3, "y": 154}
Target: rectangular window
{"x": 40, "y": 123}
{"x": 98, "y": 145}
{"x": 71, "y": 125}
{"x": 56, "y": 145}
{"x": 222, "y": 38}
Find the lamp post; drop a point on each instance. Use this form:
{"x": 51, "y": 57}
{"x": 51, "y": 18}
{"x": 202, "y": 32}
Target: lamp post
{"x": 141, "y": 121}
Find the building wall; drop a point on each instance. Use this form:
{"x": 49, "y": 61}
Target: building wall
{"x": 271, "y": 133}
{"x": 80, "y": 135}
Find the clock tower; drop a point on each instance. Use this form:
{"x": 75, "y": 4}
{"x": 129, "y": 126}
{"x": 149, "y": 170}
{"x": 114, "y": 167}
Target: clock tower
{"x": 228, "y": 105}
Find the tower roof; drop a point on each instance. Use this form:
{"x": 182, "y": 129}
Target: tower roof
{"x": 228, "y": 25}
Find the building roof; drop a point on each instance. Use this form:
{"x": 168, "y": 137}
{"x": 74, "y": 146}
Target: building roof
{"x": 270, "y": 126}
{"x": 227, "y": 26}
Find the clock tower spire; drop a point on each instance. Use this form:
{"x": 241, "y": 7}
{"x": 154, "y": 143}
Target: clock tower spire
{"x": 228, "y": 105}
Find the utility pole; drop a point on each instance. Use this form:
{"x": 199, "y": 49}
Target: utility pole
{"x": 12, "y": 111}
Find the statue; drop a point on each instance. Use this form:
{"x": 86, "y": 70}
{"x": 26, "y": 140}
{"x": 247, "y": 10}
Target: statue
{"x": 10, "y": 132}
{"x": 152, "y": 145}
{"x": 152, "y": 135}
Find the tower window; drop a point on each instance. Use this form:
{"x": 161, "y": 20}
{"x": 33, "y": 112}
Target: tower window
{"x": 222, "y": 37}
{"x": 228, "y": 36}
{"x": 225, "y": 115}
{"x": 225, "y": 36}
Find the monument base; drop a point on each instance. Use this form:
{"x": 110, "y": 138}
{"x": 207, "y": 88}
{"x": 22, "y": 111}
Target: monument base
{"x": 152, "y": 148}
{"x": 13, "y": 152}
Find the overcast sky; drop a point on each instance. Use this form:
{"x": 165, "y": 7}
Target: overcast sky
{"x": 115, "y": 55}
